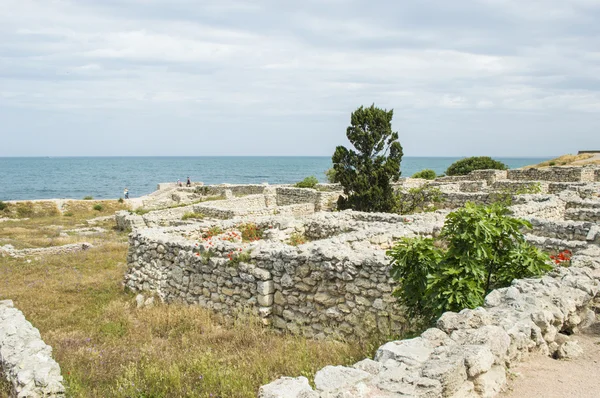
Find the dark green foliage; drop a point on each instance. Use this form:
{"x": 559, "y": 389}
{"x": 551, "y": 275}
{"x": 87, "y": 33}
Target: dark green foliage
{"x": 3, "y": 205}
{"x": 484, "y": 250}
{"x": 367, "y": 172}
{"x": 427, "y": 174}
{"x": 465, "y": 166}
{"x": 120, "y": 200}
{"x": 88, "y": 198}
{"x": 308, "y": 182}
{"x": 417, "y": 200}
{"x": 331, "y": 177}
{"x": 98, "y": 207}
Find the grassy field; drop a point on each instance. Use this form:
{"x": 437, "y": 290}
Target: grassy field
{"x": 569, "y": 160}
{"x": 106, "y": 347}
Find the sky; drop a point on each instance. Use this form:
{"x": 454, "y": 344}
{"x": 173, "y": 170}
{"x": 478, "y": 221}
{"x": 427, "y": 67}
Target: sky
{"x": 281, "y": 77}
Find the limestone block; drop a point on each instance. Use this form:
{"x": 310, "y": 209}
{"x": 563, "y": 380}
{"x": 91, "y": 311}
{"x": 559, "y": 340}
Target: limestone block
{"x": 332, "y": 378}
{"x": 569, "y": 350}
{"x": 369, "y": 366}
{"x": 448, "y": 368}
{"x": 411, "y": 352}
{"x": 288, "y": 387}
{"x": 265, "y": 287}
{"x": 490, "y": 383}
{"x": 494, "y": 337}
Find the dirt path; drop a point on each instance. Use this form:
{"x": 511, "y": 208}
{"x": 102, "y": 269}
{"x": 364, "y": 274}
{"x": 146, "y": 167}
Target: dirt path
{"x": 545, "y": 377}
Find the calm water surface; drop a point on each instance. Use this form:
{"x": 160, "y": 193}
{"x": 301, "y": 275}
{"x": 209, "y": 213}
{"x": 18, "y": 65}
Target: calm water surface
{"x": 106, "y": 177}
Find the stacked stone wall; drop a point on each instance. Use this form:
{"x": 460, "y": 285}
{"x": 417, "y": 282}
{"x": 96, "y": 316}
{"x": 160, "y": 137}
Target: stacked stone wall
{"x": 554, "y": 174}
{"x": 315, "y": 289}
{"x": 25, "y": 360}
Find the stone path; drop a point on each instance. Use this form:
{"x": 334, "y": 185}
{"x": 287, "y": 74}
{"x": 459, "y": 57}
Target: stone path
{"x": 542, "y": 376}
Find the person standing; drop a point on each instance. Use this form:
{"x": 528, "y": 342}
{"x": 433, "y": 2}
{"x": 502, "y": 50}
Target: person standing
{"x": 188, "y": 183}
{"x": 126, "y": 193}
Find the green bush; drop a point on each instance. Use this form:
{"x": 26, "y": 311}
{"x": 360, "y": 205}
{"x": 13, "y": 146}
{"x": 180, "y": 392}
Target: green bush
{"x": 481, "y": 248}
{"x": 417, "y": 200}
{"x": 98, "y": 207}
{"x": 366, "y": 173}
{"x": 3, "y": 205}
{"x": 120, "y": 200}
{"x": 427, "y": 174}
{"x": 465, "y": 166}
{"x": 331, "y": 177}
{"x": 88, "y": 198}
{"x": 308, "y": 182}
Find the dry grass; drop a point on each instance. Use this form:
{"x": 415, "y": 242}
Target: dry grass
{"x": 566, "y": 160}
{"x": 108, "y": 348}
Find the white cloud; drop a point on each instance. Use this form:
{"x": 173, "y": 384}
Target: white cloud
{"x": 261, "y": 62}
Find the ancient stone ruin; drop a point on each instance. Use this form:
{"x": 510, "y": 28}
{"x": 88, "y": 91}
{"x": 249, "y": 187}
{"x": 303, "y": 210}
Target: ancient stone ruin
{"x": 284, "y": 255}
{"x": 325, "y": 274}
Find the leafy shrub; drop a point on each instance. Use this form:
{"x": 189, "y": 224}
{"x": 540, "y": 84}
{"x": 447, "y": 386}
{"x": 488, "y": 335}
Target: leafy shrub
{"x": 3, "y": 206}
{"x": 331, "y": 176}
{"x": 68, "y": 214}
{"x": 419, "y": 199}
{"x": 190, "y": 215}
{"x": 481, "y": 248}
{"x": 465, "y": 166}
{"x": 308, "y": 182}
{"x": 98, "y": 207}
{"x": 367, "y": 172}
{"x": 427, "y": 174}
{"x": 120, "y": 200}
{"x": 552, "y": 164}
{"x": 250, "y": 232}
{"x": 88, "y": 198}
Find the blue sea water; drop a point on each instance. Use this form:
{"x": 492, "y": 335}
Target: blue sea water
{"x": 106, "y": 177}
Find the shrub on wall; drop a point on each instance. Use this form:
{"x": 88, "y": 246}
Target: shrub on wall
{"x": 467, "y": 165}
{"x": 366, "y": 173}
{"x": 427, "y": 174}
{"x": 419, "y": 199}
{"x": 3, "y": 205}
{"x": 481, "y": 248}
{"x": 308, "y": 182}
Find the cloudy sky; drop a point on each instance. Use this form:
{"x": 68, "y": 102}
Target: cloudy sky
{"x": 281, "y": 77}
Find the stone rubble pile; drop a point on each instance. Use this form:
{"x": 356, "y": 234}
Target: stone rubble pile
{"x": 25, "y": 360}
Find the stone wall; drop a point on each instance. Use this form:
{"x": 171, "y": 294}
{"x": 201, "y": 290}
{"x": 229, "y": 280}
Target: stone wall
{"x": 336, "y": 286}
{"x": 554, "y": 174}
{"x": 314, "y": 290}
{"x": 597, "y": 175}
{"x": 25, "y": 360}
{"x": 467, "y": 353}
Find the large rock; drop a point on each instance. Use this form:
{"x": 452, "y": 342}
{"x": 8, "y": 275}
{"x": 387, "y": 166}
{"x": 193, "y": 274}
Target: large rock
{"x": 412, "y": 352}
{"x": 288, "y": 387}
{"x": 332, "y": 378}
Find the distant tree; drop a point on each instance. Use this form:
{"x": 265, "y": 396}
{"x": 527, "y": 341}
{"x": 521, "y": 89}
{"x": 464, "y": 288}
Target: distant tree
{"x": 465, "y": 166}
{"x": 366, "y": 173}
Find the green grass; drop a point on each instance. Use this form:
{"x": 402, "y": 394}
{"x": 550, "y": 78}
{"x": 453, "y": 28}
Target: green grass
{"x": 196, "y": 216}
{"x": 106, "y": 347}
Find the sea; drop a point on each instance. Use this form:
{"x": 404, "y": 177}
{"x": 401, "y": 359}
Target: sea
{"x": 28, "y": 178}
